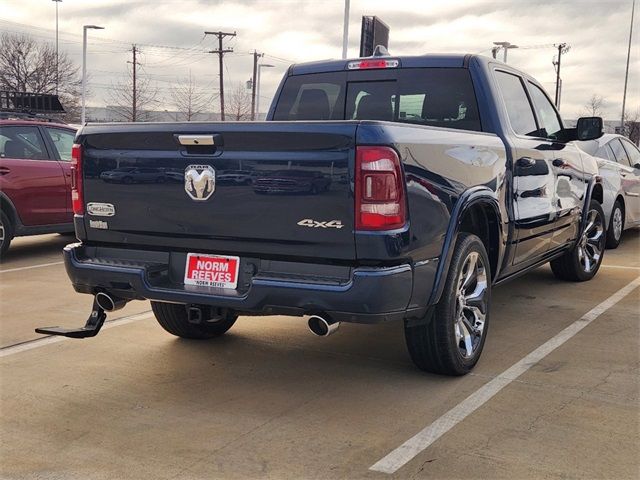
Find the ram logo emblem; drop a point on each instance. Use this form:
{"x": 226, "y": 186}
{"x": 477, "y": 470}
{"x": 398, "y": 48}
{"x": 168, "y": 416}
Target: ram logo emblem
{"x": 199, "y": 181}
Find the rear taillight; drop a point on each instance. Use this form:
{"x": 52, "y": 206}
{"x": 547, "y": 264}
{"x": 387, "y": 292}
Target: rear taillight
{"x": 77, "y": 197}
{"x": 379, "y": 190}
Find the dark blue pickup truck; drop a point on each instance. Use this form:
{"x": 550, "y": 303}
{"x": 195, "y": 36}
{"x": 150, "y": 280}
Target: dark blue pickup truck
{"x": 379, "y": 189}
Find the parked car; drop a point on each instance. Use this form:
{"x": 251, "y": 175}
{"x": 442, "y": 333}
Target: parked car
{"x": 461, "y": 176}
{"x": 134, "y": 175}
{"x": 234, "y": 177}
{"x": 35, "y": 179}
{"x": 619, "y": 164}
{"x": 292, "y": 181}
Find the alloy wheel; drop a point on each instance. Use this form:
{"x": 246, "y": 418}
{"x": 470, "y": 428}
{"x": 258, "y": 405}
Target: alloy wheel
{"x": 617, "y": 223}
{"x": 471, "y": 305}
{"x": 591, "y": 245}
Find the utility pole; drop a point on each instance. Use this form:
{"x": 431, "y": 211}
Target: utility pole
{"x": 626, "y": 75}
{"x": 57, "y": 57}
{"x": 345, "y": 29}
{"x": 134, "y": 102}
{"x": 221, "y": 53}
{"x": 562, "y": 48}
{"x": 256, "y": 56}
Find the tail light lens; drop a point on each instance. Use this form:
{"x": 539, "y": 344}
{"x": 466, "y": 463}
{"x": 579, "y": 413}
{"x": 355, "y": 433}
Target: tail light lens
{"x": 77, "y": 197}
{"x": 379, "y": 190}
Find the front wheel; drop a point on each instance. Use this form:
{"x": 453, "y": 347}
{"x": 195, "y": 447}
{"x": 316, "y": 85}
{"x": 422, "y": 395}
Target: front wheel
{"x": 451, "y": 342}
{"x": 583, "y": 261}
{"x": 174, "y": 318}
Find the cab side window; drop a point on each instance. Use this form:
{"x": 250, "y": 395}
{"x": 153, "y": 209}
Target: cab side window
{"x": 518, "y": 107}
{"x": 550, "y": 125}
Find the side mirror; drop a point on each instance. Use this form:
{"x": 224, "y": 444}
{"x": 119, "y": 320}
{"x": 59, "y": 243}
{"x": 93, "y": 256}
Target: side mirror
{"x": 589, "y": 128}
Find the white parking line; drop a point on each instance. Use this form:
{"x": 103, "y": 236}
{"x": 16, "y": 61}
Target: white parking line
{"x": 419, "y": 442}
{"x": 30, "y": 267}
{"x": 48, "y": 340}
{"x": 625, "y": 267}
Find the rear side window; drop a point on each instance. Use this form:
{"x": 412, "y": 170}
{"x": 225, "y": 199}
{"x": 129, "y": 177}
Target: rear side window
{"x": 22, "y": 142}
{"x": 518, "y": 106}
{"x": 442, "y": 97}
{"x": 63, "y": 141}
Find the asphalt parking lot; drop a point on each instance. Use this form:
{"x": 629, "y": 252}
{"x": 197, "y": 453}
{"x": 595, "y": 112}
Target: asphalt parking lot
{"x": 269, "y": 400}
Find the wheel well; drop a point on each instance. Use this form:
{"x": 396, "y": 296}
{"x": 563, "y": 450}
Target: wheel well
{"x": 482, "y": 220}
{"x": 598, "y": 194}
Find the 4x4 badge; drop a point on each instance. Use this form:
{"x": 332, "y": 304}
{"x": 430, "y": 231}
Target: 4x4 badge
{"x": 199, "y": 181}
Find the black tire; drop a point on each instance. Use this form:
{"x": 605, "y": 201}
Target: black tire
{"x": 572, "y": 265}
{"x": 6, "y": 233}
{"x": 174, "y": 319}
{"x": 434, "y": 346}
{"x": 616, "y": 225}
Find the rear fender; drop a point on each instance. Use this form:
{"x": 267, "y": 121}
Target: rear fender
{"x": 473, "y": 196}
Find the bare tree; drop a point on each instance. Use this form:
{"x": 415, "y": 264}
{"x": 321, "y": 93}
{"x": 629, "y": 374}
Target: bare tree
{"x": 28, "y": 65}
{"x": 632, "y": 125}
{"x": 239, "y": 104}
{"x": 595, "y": 106}
{"x": 189, "y": 99}
{"x": 121, "y": 99}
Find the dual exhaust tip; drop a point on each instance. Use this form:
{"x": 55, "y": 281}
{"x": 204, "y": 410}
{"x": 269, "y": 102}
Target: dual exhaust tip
{"x": 322, "y": 326}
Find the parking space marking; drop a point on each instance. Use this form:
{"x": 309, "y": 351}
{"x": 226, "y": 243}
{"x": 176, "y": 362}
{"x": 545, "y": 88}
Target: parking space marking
{"x": 48, "y": 340}
{"x": 624, "y": 267}
{"x": 30, "y": 267}
{"x": 419, "y": 442}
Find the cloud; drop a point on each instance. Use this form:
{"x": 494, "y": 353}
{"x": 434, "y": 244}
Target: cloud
{"x": 303, "y": 30}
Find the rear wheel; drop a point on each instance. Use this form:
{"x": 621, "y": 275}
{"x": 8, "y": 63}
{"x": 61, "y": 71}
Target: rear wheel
{"x": 451, "y": 342}
{"x": 6, "y": 233}
{"x": 616, "y": 225}
{"x": 174, "y": 318}
{"x": 583, "y": 261}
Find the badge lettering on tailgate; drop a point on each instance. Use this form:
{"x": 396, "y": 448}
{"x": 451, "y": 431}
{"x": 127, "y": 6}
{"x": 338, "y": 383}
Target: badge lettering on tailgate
{"x": 307, "y": 222}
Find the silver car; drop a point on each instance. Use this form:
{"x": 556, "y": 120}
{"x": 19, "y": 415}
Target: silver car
{"x": 619, "y": 164}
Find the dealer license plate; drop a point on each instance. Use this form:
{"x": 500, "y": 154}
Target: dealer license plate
{"x": 211, "y": 270}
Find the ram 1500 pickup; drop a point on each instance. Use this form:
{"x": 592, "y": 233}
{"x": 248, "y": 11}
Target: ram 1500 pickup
{"x": 379, "y": 189}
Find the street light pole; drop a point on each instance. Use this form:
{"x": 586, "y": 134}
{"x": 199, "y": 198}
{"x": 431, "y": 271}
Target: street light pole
{"x": 57, "y": 57}
{"x": 626, "y": 75}
{"x": 84, "y": 67}
{"x": 505, "y": 46}
{"x": 266, "y": 65}
{"x": 345, "y": 29}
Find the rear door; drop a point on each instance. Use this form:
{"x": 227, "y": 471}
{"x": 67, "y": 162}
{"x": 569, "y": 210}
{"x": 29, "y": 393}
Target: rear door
{"x": 31, "y": 177}
{"x": 61, "y": 140}
{"x": 533, "y": 175}
{"x": 566, "y": 167}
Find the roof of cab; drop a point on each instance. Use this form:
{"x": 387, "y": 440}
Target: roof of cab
{"x": 431, "y": 60}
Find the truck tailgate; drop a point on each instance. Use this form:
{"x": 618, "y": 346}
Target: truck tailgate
{"x": 277, "y": 188}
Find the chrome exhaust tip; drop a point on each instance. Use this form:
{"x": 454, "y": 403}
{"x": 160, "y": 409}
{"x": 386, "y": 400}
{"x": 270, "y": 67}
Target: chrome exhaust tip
{"x": 321, "y": 326}
{"x": 109, "y": 303}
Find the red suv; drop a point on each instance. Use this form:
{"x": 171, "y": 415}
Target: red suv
{"x": 35, "y": 179}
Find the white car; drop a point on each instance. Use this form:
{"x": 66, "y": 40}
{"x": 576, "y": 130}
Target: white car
{"x": 619, "y": 164}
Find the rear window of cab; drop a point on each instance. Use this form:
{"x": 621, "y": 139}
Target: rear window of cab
{"x": 440, "y": 97}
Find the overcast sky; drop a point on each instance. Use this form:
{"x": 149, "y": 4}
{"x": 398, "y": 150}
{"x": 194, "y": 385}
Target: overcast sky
{"x": 170, "y": 36}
